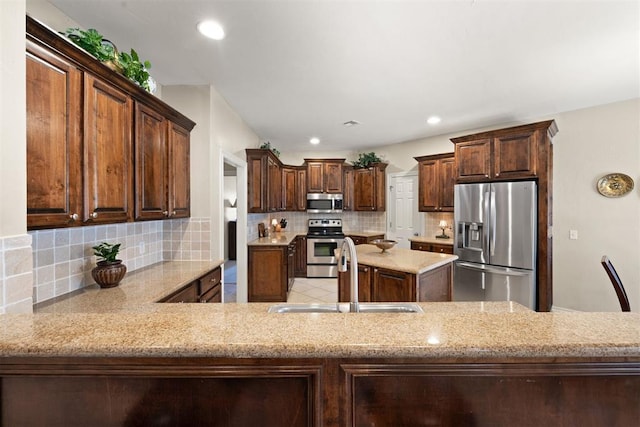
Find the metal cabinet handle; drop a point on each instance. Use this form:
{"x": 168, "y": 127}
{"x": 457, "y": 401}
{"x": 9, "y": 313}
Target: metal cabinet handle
{"x": 366, "y": 269}
{"x": 94, "y": 215}
{"x": 165, "y": 213}
{"x": 173, "y": 213}
{"x": 74, "y": 217}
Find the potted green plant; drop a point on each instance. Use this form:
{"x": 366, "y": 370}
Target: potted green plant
{"x": 267, "y": 146}
{"x": 366, "y": 159}
{"x": 134, "y": 69}
{"x": 109, "y": 271}
{"x": 94, "y": 43}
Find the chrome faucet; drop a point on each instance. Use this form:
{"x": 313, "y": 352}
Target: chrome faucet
{"x": 342, "y": 267}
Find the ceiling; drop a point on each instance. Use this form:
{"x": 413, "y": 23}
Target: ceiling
{"x": 298, "y": 69}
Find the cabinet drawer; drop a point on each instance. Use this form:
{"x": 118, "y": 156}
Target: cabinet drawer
{"x": 443, "y": 249}
{"x": 416, "y": 246}
{"x": 212, "y": 295}
{"x": 209, "y": 281}
{"x": 184, "y": 295}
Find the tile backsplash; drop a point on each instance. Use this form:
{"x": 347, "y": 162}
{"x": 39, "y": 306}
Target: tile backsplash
{"x": 16, "y": 274}
{"x": 432, "y": 221}
{"x": 298, "y": 221}
{"x": 63, "y": 258}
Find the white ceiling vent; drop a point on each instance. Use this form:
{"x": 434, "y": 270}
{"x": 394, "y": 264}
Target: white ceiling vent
{"x": 351, "y": 123}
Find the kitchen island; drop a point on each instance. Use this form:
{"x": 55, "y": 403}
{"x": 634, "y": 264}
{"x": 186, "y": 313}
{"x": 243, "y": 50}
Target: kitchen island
{"x": 458, "y": 363}
{"x": 399, "y": 275}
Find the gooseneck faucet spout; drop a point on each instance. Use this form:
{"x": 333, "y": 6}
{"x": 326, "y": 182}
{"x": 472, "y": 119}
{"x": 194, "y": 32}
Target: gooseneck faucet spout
{"x": 342, "y": 267}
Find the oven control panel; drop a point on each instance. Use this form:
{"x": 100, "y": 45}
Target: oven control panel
{"x": 325, "y": 223}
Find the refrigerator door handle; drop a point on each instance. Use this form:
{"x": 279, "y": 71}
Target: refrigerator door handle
{"x": 494, "y": 270}
{"x": 492, "y": 243}
{"x": 487, "y": 212}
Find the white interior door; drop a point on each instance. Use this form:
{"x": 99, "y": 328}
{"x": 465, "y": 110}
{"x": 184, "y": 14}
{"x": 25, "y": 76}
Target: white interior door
{"x": 404, "y": 219}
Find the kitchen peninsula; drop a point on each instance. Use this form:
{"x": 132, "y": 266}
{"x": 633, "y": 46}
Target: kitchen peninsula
{"x": 234, "y": 364}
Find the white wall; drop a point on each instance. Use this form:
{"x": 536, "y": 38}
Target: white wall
{"x": 13, "y": 169}
{"x": 591, "y": 143}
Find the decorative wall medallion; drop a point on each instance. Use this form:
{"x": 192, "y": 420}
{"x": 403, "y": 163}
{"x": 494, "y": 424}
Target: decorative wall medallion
{"x": 615, "y": 185}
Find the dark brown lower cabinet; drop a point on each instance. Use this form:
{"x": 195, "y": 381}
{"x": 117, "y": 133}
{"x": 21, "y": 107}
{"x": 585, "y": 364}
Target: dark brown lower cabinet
{"x": 268, "y": 270}
{"x": 301, "y": 257}
{"x": 207, "y": 288}
{"x": 377, "y": 284}
{"x": 318, "y": 392}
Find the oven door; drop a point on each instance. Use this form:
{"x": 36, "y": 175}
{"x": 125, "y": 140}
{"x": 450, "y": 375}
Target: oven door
{"x": 321, "y": 250}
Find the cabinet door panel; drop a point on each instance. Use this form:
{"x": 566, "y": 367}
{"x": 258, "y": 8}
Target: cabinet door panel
{"x": 515, "y": 155}
{"x": 473, "y": 159}
{"x": 268, "y": 268}
{"x": 428, "y": 188}
{"x": 275, "y": 185}
{"x": 364, "y": 190}
{"x": 179, "y": 172}
{"x": 54, "y": 177}
{"x": 289, "y": 189}
{"x": 333, "y": 177}
{"x": 108, "y": 153}
{"x": 256, "y": 183}
{"x": 348, "y": 188}
{"x": 315, "y": 177}
{"x": 364, "y": 284}
{"x": 301, "y": 190}
{"x": 151, "y": 164}
{"x": 447, "y": 183}
{"x": 393, "y": 286}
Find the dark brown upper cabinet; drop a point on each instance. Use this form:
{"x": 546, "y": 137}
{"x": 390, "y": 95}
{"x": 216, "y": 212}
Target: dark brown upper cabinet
{"x": 369, "y": 185}
{"x": 436, "y": 179}
{"x": 81, "y": 138}
{"x": 324, "y": 175}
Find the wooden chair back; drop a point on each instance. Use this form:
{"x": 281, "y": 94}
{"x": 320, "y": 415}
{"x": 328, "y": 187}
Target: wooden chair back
{"x": 617, "y": 283}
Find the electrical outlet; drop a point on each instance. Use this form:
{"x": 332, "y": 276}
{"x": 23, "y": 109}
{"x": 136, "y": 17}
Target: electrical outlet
{"x": 573, "y": 234}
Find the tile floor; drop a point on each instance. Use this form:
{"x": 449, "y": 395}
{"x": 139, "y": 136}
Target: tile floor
{"x": 314, "y": 290}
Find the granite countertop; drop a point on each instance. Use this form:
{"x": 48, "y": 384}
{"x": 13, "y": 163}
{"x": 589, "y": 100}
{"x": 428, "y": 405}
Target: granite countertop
{"x": 364, "y": 233}
{"x": 400, "y": 259}
{"x": 126, "y": 322}
{"x": 139, "y": 287}
{"x": 475, "y": 330}
{"x": 425, "y": 239}
{"x": 276, "y": 238}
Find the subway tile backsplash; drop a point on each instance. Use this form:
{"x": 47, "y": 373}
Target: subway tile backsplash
{"x": 63, "y": 258}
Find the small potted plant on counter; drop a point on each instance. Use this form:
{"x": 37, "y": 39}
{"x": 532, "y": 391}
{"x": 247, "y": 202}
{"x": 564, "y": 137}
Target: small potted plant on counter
{"x": 109, "y": 271}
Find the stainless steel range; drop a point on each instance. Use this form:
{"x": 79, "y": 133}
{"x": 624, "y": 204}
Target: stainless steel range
{"x": 324, "y": 236}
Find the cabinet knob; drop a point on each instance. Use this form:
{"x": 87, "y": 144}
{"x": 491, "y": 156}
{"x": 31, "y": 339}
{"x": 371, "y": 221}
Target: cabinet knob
{"x": 173, "y": 213}
{"x": 73, "y": 217}
{"x": 366, "y": 269}
{"x": 165, "y": 213}
{"x": 94, "y": 215}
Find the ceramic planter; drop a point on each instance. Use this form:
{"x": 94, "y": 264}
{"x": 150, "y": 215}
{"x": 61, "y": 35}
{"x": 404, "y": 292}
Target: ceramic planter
{"x": 109, "y": 274}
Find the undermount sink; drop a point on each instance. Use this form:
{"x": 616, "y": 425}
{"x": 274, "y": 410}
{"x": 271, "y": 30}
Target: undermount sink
{"x": 365, "y": 307}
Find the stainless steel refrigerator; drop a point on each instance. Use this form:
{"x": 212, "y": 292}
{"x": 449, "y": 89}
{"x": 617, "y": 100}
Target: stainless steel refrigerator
{"x": 495, "y": 240}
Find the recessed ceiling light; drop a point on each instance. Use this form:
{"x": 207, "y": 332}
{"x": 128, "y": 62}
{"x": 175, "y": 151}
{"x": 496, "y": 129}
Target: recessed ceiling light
{"x": 314, "y": 141}
{"x": 211, "y": 29}
{"x": 433, "y": 120}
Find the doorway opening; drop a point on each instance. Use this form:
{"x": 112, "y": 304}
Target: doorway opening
{"x": 230, "y": 197}
{"x": 404, "y": 220}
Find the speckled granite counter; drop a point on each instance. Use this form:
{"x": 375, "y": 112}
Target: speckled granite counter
{"x": 143, "y": 286}
{"x": 278, "y": 238}
{"x": 364, "y": 233}
{"x": 425, "y": 239}
{"x": 400, "y": 259}
{"x": 470, "y": 329}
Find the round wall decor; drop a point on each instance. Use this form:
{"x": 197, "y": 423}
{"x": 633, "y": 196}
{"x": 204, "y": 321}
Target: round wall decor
{"x": 615, "y": 185}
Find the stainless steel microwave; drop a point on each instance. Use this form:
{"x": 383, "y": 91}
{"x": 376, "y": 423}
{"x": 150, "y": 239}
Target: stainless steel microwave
{"x": 324, "y": 203}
